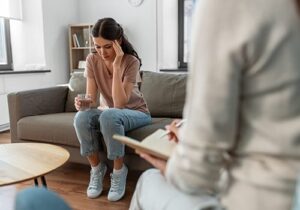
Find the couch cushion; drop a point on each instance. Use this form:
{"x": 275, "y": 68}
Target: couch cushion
{"x": 77, "y": 84}
{"x": 164, "y": 93}
{"x": 58, "y": 129}
{"x": 52, "y": 128}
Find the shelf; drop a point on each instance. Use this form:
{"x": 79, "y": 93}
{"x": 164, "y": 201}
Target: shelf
{"x": 80, "y": 44}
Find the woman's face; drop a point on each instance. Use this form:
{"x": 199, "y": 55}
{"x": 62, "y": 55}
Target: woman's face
{"x": 104, "y": 48}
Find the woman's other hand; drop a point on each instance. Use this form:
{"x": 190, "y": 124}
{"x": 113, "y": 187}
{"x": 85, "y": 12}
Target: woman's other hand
{"x": 83, "y": 102}
{"x": 77, "y": 103}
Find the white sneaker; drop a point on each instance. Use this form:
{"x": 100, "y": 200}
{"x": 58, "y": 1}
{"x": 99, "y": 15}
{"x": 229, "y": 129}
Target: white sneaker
{"x": 96, "y": 179}
{"x": 118, "y": 185}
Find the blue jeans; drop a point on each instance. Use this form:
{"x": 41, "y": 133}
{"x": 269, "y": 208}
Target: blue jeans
{"x": 91, "y": 124}
{"x": 36, "y": 198}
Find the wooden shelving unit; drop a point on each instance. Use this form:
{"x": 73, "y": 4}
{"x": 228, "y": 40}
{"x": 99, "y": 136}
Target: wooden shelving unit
{"x": 80, "y": 45}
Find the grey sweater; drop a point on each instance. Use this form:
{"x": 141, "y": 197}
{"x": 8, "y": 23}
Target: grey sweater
{"x": 243, "y": 97}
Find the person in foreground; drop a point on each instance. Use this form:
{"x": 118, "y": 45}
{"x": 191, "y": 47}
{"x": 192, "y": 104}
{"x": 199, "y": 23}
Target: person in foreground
{"x": 242, "y": 111}
{"x": 297, "y": 196}
{"x": 39, "y": 198}
{"x": 113, "y": 72}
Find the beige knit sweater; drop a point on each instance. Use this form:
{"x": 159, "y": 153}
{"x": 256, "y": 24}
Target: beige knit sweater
{"x": 243, "y": 96}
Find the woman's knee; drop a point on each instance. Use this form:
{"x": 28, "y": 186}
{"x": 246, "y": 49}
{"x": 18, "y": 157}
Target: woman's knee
{"x": 86, "y": 119}
{"x": 109, "y": 117}
{"x": 80, "y": 119}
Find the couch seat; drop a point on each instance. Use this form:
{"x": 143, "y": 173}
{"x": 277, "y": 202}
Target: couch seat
{"x": 58, "y": 129}
{"x": 50, "y": 128}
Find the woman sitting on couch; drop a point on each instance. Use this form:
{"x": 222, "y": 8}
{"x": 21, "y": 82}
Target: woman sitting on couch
{"x": 112, "y": 71}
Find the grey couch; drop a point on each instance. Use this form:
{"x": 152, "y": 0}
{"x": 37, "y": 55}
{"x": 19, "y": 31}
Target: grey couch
{"x": 46, "y": 115}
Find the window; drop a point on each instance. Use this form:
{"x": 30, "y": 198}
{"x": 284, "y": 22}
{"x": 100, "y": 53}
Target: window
{"x": 5, "y": 47}
{"x": 185, "y": 11}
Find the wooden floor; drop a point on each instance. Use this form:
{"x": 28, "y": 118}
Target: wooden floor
{"x": 70, "y": 181}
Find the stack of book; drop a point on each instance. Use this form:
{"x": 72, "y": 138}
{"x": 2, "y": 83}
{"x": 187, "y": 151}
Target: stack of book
{"x": 81, "y": 39}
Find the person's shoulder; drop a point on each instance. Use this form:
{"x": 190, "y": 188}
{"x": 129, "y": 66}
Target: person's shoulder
{"x": 92, "y": 57}
{"x": 276, "y": 11}
{"x": 130, "y": 59}
{"x": 280, "y": 18}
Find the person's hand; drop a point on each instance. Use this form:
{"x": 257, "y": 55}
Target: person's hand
{"x": 77, "y": 103}
{"x": 82, "y": 101}
{"x": 156, "y": 162}
{"x": 119, "y": 55}
{"x": 173, "y": 135}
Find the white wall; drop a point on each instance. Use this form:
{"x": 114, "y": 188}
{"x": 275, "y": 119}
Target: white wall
{"x": 57, "y": 15}
{"x": 40, "y": 40}
{"x": 139, "y": 24}
{"x": 4, "y": 119}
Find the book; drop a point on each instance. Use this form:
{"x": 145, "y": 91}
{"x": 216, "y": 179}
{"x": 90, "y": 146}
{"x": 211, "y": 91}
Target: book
{"x": 80, "y": 41}
{"x": 156, "y": 144}
{"x": 75, "y": 40}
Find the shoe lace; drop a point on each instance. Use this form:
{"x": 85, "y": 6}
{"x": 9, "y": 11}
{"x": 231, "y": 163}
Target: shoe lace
{"x": 94, "y": 180}
{"x": 115, "y": 182}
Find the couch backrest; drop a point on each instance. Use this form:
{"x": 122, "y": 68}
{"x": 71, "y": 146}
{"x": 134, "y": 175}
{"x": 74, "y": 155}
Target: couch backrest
{"x": 164, "y": 93}
{"x": 77, "y": 84}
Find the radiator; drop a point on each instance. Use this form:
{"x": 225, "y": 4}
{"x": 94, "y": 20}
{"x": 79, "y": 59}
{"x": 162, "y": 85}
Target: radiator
{"x": 4, "y": 116}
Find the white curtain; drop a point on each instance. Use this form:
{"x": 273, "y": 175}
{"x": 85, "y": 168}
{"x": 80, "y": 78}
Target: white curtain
{"x": 11, "y": 9}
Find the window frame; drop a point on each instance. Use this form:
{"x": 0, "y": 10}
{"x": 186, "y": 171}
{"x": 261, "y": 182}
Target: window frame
{"x": 8, "y": 66}
{"x": 181, "y": 63}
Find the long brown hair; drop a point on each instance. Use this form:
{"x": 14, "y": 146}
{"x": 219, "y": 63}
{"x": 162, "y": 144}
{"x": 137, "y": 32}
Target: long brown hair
{"x": 109, "y": 29}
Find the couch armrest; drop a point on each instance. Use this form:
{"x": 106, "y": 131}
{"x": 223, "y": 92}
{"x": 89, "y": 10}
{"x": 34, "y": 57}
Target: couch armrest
{"x": 35, "y": 102}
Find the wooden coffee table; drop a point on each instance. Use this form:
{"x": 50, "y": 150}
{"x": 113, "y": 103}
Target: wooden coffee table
{"x": 24, "y": 161}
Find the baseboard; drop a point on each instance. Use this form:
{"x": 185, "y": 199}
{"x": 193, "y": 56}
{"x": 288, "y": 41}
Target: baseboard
{"x": 4, "y": 127}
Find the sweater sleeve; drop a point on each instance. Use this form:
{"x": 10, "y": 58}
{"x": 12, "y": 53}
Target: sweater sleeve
{"x": 212, "y": 102}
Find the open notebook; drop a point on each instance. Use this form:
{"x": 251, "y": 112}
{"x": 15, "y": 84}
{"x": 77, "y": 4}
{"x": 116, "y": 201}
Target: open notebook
{"x": 154, "y": 144}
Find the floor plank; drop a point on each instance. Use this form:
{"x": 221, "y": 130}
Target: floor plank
{"x": 4, "y": 137}
{"x": 70, "y": 181}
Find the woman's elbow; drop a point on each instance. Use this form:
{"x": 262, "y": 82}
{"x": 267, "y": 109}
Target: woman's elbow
{"x": 120, "y": 105}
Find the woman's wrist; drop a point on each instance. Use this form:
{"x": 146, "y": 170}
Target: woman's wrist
{"x": 117, "y": 73}
{"x": 116, "y": 70}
